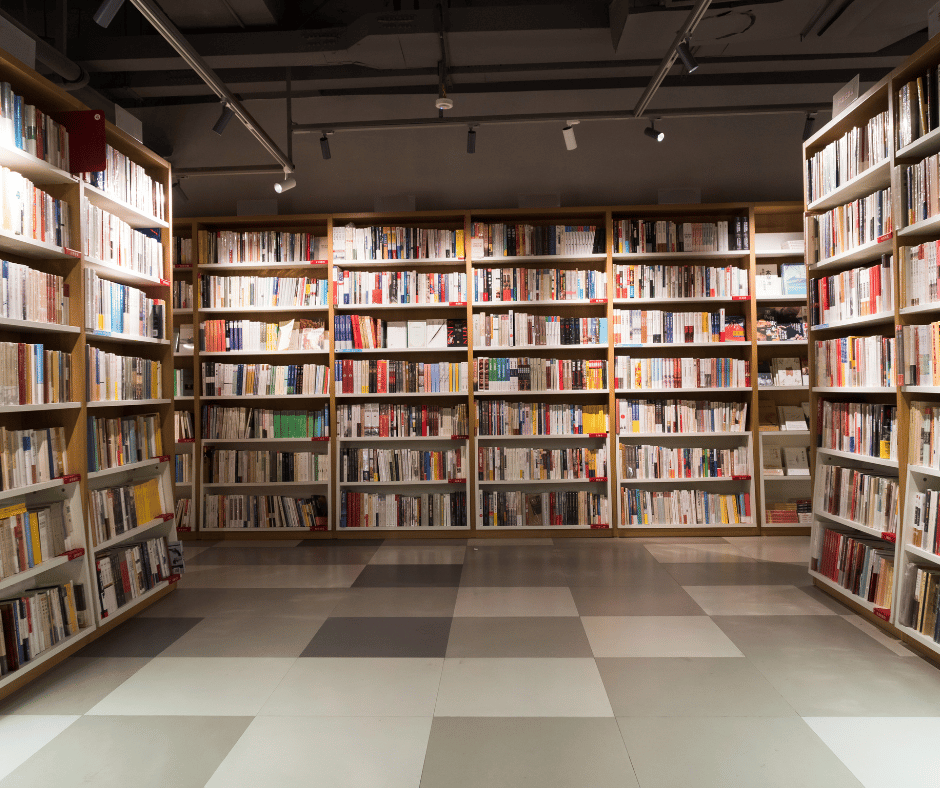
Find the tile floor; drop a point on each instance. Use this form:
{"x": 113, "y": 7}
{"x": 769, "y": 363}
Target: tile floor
{"x": 701, "y": 662}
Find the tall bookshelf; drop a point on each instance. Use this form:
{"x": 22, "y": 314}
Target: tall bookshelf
{"x": 60, "y": 496}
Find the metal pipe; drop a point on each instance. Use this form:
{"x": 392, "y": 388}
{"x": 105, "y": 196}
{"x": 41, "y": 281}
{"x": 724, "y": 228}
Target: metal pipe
{"x": 250, "y": 169}
{"x": 73, "y": 75}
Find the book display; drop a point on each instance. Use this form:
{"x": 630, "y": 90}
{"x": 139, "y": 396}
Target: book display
{"x": 85, "y": 411}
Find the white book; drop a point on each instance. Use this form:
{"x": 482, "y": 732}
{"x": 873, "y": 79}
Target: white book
{"x": 396, "y": 334}
{"x": 772, "y": 460}
{"x": 437, "y": 332}
{"x": 791, "y": 417}
{"x": 418, "y": 333}
{"x": 796, "y": 461}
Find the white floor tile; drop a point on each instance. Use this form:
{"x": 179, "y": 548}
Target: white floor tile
{"x": 526, "y": 687}
{"x": 357, "y": 687}
{"x": 695, "y": 553}
{"x": 657, "y": 636}
{"x": 206, "y": 686}
{"x": 503, "y": 602}
{"x": 350, "y": 752}
{"x": 759, "y": 600}
{"x": 21, "y": 736}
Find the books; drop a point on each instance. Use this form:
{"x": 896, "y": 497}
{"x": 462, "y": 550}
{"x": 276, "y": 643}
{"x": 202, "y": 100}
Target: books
{"x": 644, "y": 507}
{"x": 919, "y": 354}
{"x": 402, "y": 465}
{"x": 114, "y": 308}
{"x": 862, "y": 565}
{"x": 387, "y": 376}
{"x": 183, "y": 425}
{"x": 32, "y": 375}
{"x": 33, "y": 295}
{"x": 229, "y": 292}
{"x": 865, "y": 498}
{"x": 185, "y": 339}
{"x": 396, "y": 243}
{"x": 35, "y": 620}
{"x": 260, "y": 246}
{"x": 116, "y": 510}
{"x": 252, "y": 380}
{"x": 632, "y": 236}
{"x": 264, "y": 511}
{"x": 516, "y": 509}
{"x": 501, "y": 463}
{"x": 126, "y": 181}
{"x": 680, "y": 281}
{"x": 127, "y": 572}
{"x": 772, "y": 460}
{"x": 234, "y": 423}
{"x": 362, "y": 332}
{"x": 29, "y": 129}
{"x": 793, "y": 276}
{"x": 538, "y": 374}
{"x": 400, "y": 287}
{"x": 643, "y": 461}
{"x": 401, "y": 420}
{"x": 217, "y": 336}
{"x": 851, "y": 294}
{"x": 768, "y": 280}
{"x": 681, "y": 373}
{"x": 32, "y": 456}
{"x": 867, "y": 361}
{"x": 124, "y": 440}
{"x": 859, "y": 428}
{"x": 672, "y": 416}
{"x": 796, "y": 461}
{"x": 237, "y": 466}
{"x": 512, "y": 329}
{"x": 857, "y": 150}
{"x": 792, "y": 417}
{"x": 835, "y": 231}
{"x": 513, "y": 285}
{"x": 29, "y": 212}
{"x": 30, "y": 536}
{"x": 111, "y": 377}
{"x": 397, "y": 510}
{"x": 109, "y": 240}
{"x": 920, "y": 275}
{"x": 524, "y": 240}
{"x": 644, "y": 327}
{"x": 781, "y": 324}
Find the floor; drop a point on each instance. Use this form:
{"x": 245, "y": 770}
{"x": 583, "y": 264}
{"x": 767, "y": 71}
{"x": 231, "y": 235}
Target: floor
{"x": 701, "y": 662}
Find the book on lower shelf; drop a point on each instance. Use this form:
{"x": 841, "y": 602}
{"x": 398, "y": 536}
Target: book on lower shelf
{"x": 856, "y": 293}
{"x": 264, "y": 511}
{"x": 112, "y": 377}
{"x": 113, "y": 511}
{"x": 500, "y": 239}
{"x": 402, "y": 510}
{"x": 32, "y": 456}
{"x": 796, "y": 461}
{"x": 680, "y": 281}
{"x": 691, "y": 462}
{"x": 31, "y": 374}
{"x": 658, "y": 327}
{"x": 402, "y": 465}
{"x": 30, "y": 536}
{"x": 128, "y": 572}
{"x": 124, "y": 440}
{"x": 409, "y": 288}
{"x": 866, "y": 429}
{"x": 681, "y": 373}
{"x": 791, "y": 512}
{"x": 238, "y": 466}
{"x": 671, "y": 416}
{"x": 862, "y": 565}
{"x": 266, "y": 247}
{"x": 639, "y": 507}
{"x": 499, "y": 463}
{"x": 793, "y": 417}
{"x": 772, "y": 460}
{"x": 388, "y": 376}
{"x": 239, "y": 423}
{"x": 826, "y": 238}
{"x": 218, "y": 336}
{"x": 402, "y": 420}
{"x": 516, "y": 285}
{"x": 262, "y": 292}
{"x": 513, "y": 508}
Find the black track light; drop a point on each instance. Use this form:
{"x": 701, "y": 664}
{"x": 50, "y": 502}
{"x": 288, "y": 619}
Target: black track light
{"x": 227, "y": 114}
{"x": 107, "y": 11}
{"x": 685, "y": 55}
{"x": 808, "y": 125}
{"x": 178, "y": 191}
{"x": 325, "y": 146}
{"x": 471, "y": 141}
{"x": 651, "y": 132}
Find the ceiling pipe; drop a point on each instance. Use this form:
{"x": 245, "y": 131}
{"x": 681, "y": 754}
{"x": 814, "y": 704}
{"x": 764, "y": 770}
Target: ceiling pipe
{"x": 74, "y": 77}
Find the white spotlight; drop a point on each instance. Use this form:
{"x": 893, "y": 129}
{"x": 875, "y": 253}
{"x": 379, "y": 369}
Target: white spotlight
{"x": 286, "y": 185}
{"x": 568, "y": 132}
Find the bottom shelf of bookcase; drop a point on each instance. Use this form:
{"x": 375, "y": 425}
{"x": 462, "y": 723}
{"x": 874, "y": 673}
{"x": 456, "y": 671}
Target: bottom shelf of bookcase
{"x": 883, "y": 613}
{"x": 142, "y": 601}
{"x": 697, "y": 526}
{"x": 481, "y": 527}
{"x": 409, "y": 528}
{"x": 923, "y": 642}
{"x": 46, "y": 656}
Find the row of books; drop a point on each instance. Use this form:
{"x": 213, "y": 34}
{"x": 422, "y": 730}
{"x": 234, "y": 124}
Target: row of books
{"x": 639, "y": 507}
{"x": 182, "y": 252}
{"x": 917, "y": 108}
{"x": 524, "y": 240}
{"x": 511, "y": 329}
{"x": 393, "y": 510}
{"x": 32, "y": 375}
{"x": 127, "y": 572}
{"x": 862, "y": 428}
{"x": 234, "y": 423}
{"x": 680, "y": 281}
{"x": 924, "y": 531}
{"x": 112, "y": 377}
{"x": 857, "y": 292}
{"x": 644, "y": 461}
{"x": 237, "y": 466}
{"x": 361, "y": 332}
{"x": 108, "y": 239}
{"x": 498, "y": 417}
{"x": 395, "y": 243}
{"x": 184, "y": 427}
{"x": 854, "y": 152}
{"x": 185, "y": 514}
{"x": 862, "y": 565}
{"x": 32, "y": 456}
{"x": 920, "y": 274}
{"x": 924, "y": 442}
{"x": 674, "y": 416}
{"x": 247, "y": 380}
{"x": 399, "y": 287}
{"x": 920, "y": 609}
{"x": 792, "y": 512}
{"x": 217, "y": 336}
{"x": 401, "y": 420}
{"x": 656, "y": 326}
{"x": 681, "y": 373}
{"x": 856, "y": 361}
{"x": 539, "y": 374}
{"x": 264, "y": 511}
{"x": 36, "y": 620}
{"x": 785, "y": 279}
{"x": 783, "y": 371}
{"x": 538, "y": 284}
{"x": 849, "y": 226}
{"x": 29, "y": 212}
{"x": 918, "y": 351}
{"x": 229, "y": 247}
{"x": 126, "y": 181}
{"x": 33, "y": 295}
{"x": 662, "y": 235}
{"x": 774, "y": 418}
{"x": 865, "y": 498}
{"x": 517, "y": 509}
{"x": 28, "y": 128}
{"x": 113, "y": 511}
{"x": 120, "y": 309}
{"x": 230, "y": 292}
{"x": 123, "y": 440}
{"x": 524, "y": 464}
{"x": 183, "y": 383}
{"x": 30, "y": 536}
{"x": 183, "y": 468}
{"x": 385, "y": 376}
{"x": 781, "y": 324}
{"x": 402, "y": 465}
{"x": 922, "y": 185}
{"x": 182, "y": 294}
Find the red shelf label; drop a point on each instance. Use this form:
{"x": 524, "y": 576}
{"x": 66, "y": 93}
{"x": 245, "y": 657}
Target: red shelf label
{"x": 321, "y": 438}
{"x": 598, "y": 479}
{"x": 740, "y": 478}
{"x": 598, "y": 300}
{"x": 174, "y": 578}
{"x": 882, "y": 239}
{"x": 165, "y": 516}
{"x": 456, "y": 481}
{"x": 183, "y": 265}
{"x": 595, "y": 435}
{"x": 71, "y": 252}
{"x": 889, "y": 537}
{"x": 318, "y": 262}
{"x": 104, "y": 614}
{"x": 186, "y": 440}
{"x": 457, "y": 437}
{"x": 184, "y": 529}
{"x": 71, "y": 478}
{"x": 319, "y": 528}
{"x": 883, "y": 613}
{"x": 600, "y": 526}
{"x": 165, "y": 282}
{"x": 78, "y": 552}
{"x": 741, "y": 298}
{"x": 164, "y": 458}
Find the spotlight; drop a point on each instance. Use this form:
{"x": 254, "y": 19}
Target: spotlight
{"x": 685, "y": 55}
{"x": 178, "y": 191}
{"x": 568, "y": 132}
{"x": 325, "y": 146}
{"x": 286, "y": 185}
{"x": 442, "y": 102}
{"x": 471, "y": 141}
{"x": 227, "y": 114}
{"x": 107, "y": 11}
{"x": 653, "y": 133}
{"x": 808, "y": 125}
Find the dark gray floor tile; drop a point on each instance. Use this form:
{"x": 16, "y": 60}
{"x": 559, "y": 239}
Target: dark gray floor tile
{"x": 351, "y": 542}
{"x": 287, "y": 556}
{"x": 380, "y": 637}
{"x": 587, "y": 566}
{"x": 513, "y": 566}
{"x": 745, "y": 573}
{"x": 409, "y": 576}
{"x": 536, "y": 636}
{"x": 140, "y": 637}
{"x": 425, "y": 542}
{"x": 661, "y": 599}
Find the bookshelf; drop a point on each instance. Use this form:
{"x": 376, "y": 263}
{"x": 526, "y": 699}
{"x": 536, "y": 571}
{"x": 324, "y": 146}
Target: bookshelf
{"x": 90, "y": 370}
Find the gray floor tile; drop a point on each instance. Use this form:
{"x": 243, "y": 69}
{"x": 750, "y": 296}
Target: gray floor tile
{"x": 522, "y": 541}
{"x": 351, "y": 542}
{"x": 689, "y": 687}
{"x": 272, "y": 576}
{"x": 759, "y": 600}
{"x": 826, "y": 600}
{"x": 222, "y": 602}
{"x": 140, "y": 637}
{"x": 508, "y": 753}
{"x": 663, "y": 599}
{"x": 426, "y": 602}
{"x": 380, "y": 637}
{"x": 229, "y": 555}
{"x": 251, "y": 635}
{"x": 513, "y": 566}
{"x": 409, "y": 576}
{"x": 657, "y": 636}
{"x": 509, "y": 601}
{"x": 146, "y": 752}
{"x": 751, "y": 573}
{"x": 23, "y": 735}
{"x": 538, "y": 636}
{"x": 731, "y": 752}
{"x": 696, "y": 553}
{"x": 419, "y": 554}
{"x": 425, "y": 542}
{"x": 621, "y": 567}
{"x": 72, "y": 686}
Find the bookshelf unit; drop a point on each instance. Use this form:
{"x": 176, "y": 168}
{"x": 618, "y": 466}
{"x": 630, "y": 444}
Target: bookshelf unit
{"x": 67, "y": 399}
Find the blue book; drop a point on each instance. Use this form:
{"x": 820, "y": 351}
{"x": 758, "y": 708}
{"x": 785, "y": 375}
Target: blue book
{"x": 794, "y": 278}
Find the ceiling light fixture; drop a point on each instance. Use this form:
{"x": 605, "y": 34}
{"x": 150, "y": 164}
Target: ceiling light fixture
{"x": 325, "y": 144}
{"x": 471, "y": 140}
{"x": 287, "y": 184}
{"x": 685, "y": 55}
{"x": 107, "y": 11}
{"x": 227, "y": 114}
{"x": 568, "y": 133}
{"x": 442, "y": 102}
{"x": 651, "y": 132}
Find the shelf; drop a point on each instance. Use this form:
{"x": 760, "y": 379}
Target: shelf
{"x": 372, "y": 351}
{"x": 300, "y": 265}
{"x": 237, "y": 310}
{"x": 666, "y": 526}
{"x": 917, "y": 637}
{"x": 32, "y": 489}
{"x": 847, "y": 455}
{"x": 921, "y": 389}
{"x": 33, "y": 168}
{"x": 542, "y": 302}
{"x": 400, "y": 394}
{"x": 854, "y": 390}
{"x": 374, "y": 307}
{"x": 863, "y": 184}
{"x": 400, "y": 261}
{"x": 921, "y": 147}
{"x": 781, "y": 388}
{"x": 685, "y": 300}
{"x": 210, "y": 441}
{"x": 39, "y": 250}
{"x": 260, "y": 396}
{"x": 35, "y": 325}
{"x": 48, "y": 654}
{"x": 129, "y": 338}
{"x": 409, "y": 483}
{"x": 177, "y": 354}
{"x": 680, "y": 255}
{"x": 422, "y": 528}
{"x": 297, "y": 529}
{"x": 181, "y": 312}
{"x": 786, "y": 433}
{"x": 181, "y": 398}
{"x": 123, "y": 403}
{"x": 864, "y": 253}
{"x": 677, "y": 435}
{"x": 868, "y": 531}
{"x": 537, "y": 258}
{"x": 685, "y": 480}
{"x": 527, "y": 438}
{"x": 218, "y": 353}
{"x": 134, "y": 533}
{"x": 125, "y": 276}
{"x": 921, "y": 554}
{"x": 124, "y": 211}
{"x": 640, "y": 393}
{"x": 133, "y": 466}
{"x": 47, "y": 406}
{"x": 933, "y": 306}
{"x": 782, "y": 343}
{"x": 866, "y": 320}
{"x": 787, "y": 477}
{"x": 781, "y": 299}
{"x": 276, "y": 485}
{"x": 928, "y": 226}
{"x": 40, "y": 569}
{"x": 405, "y": 439}
{"x": 535, "y": 348}
{"x": 925, "y": 470}
{"x": 780, "y": 253}
{"x": 671, "y": 345}
{"x": 558, "y": 392}
{"x": 526, "y": 482}
{"x": 136, "y": 602}
{"x": 885, "y": 613}
{"x": 481, "y": 527}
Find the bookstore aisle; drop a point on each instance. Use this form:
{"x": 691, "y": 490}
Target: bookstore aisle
{"x": 657, "y": 663}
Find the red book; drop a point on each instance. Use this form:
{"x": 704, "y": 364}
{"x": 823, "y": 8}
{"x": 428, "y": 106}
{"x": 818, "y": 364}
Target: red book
{"x": 357, "y": 332}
